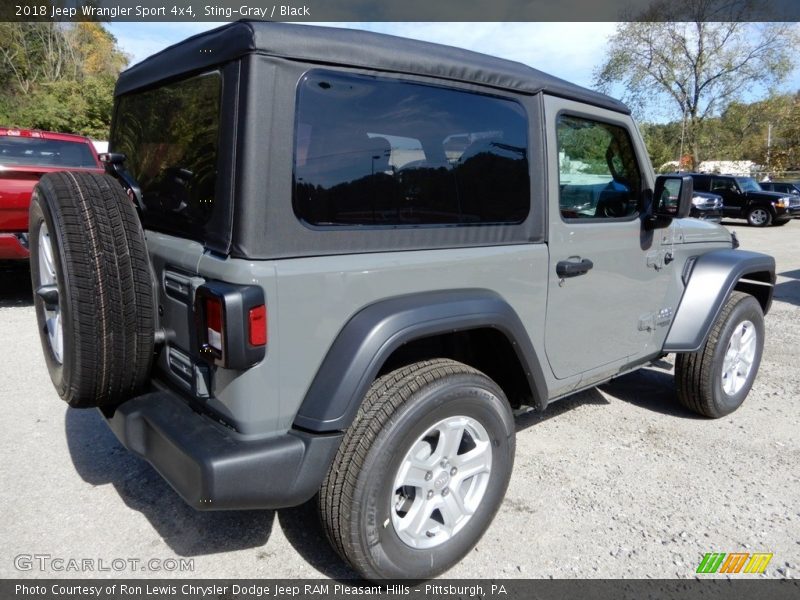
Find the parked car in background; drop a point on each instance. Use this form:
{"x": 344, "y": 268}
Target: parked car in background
{"x": 783, "y": 187}
{"x": 743, "y": 198}
{"x": 706, "y": 206}
{"x": 26, "y": 155}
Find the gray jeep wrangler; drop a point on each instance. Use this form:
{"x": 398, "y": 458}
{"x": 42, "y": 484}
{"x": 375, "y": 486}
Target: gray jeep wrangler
{"x": 330, "y": 263}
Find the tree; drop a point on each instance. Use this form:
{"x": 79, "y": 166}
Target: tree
{"x": 97, "y": 49}
{"x": 780, "y": 115}
{"x": 681, "y": 53}
{"x": 58, "y": 76}
{"x": 31, "y": 53}
{"x": 663, "y": 142}
{"x": 766, "y": 132}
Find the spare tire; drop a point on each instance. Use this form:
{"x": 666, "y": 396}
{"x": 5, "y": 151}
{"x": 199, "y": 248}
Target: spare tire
{"x": 93, "y": 289}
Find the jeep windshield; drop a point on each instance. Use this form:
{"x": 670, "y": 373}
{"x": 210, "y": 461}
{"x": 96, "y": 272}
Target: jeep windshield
{"x": 748, "y": 184}
{"x": 169, "y": 136}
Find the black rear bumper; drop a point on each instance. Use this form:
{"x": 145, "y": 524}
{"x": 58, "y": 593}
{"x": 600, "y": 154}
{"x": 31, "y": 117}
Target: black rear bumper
{"x": 211, "y": 467}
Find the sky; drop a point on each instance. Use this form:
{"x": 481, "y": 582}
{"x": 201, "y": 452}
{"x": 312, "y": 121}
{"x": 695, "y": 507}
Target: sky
{"x": 572, "y": 51}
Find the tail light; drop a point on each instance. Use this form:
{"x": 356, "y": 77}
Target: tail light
{"x": 214, "y": 323}
{"x": 230, "y": 324}
{"x": 258, "y": 326}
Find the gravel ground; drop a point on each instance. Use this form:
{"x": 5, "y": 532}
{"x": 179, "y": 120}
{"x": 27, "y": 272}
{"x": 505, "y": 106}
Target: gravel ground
{"x": 619, "y": 481}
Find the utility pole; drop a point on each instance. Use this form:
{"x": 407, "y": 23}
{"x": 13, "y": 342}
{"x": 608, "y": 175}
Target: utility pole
{"x": 769, "y": 145}
{"x": 683, "y": 130}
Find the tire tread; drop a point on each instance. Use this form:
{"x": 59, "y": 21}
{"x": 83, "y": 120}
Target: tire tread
{"x": 107, "y": 270}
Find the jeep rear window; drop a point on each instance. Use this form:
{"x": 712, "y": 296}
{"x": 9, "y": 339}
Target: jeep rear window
{"x": 372, "y": 151}
{"x": 38, "y": 152}
{"x": 170, "y": 136}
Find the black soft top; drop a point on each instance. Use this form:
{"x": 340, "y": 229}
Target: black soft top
{"x": 349, "y": 47}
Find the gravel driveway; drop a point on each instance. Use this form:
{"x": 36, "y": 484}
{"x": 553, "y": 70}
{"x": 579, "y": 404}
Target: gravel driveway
{"x": 618, "y": 481}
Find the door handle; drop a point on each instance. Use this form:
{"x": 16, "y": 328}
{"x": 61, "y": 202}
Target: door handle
{"x": 571, "y": 268}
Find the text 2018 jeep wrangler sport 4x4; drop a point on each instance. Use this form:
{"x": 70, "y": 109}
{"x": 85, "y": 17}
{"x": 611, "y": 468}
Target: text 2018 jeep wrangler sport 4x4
{"x": 331, "y": 262}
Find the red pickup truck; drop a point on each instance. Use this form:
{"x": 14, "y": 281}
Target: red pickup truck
{"x": 26, "y": 155}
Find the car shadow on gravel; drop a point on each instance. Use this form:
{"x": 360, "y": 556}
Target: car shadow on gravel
{"x": 788, "y": 291}
{"x": 303, "y": 530}
{"x": 743, "y": 223}
{"x": 649, "y": 388}
{"x": 533, "y": 417}
{"x": 15, "y": 284}
{"x": 100, "y": 459}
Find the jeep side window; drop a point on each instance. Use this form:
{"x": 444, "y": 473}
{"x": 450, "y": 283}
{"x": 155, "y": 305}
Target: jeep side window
{"x": 702, "y": 183}
{"x": 599, "y": 177}
{"x": 373, "y": 151}
{"x": 170, "y": 135}
{"x": 722, "y": 184}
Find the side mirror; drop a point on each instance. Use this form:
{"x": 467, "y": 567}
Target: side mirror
{"x": 112, "y": 158}
{"x": 114, "y": 164}
{"x": 672, "y": 199}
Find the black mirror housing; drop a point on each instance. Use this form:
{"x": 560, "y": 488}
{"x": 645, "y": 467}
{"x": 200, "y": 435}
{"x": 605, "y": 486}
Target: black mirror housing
{"x": 114, "y": 164}
{"x": 112, "y": 158}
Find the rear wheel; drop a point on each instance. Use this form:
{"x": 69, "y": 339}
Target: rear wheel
{"x": 421, "y": 472}
{"x": 715, "y": 380}
{"x": 759, "y": 217}
{"x": 93, "y": 291}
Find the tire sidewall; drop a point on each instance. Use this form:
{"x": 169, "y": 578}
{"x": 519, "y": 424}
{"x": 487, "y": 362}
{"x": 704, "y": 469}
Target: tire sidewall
{"x": 462, "y": 395}
{"x": 747, "y": 309}
{"x": 40, "y": 213}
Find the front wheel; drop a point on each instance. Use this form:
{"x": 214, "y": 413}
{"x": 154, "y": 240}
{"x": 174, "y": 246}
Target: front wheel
{"x": 421, "y": 472}
{"x": 715, "y": 380}
{"x": 759, "y": 217}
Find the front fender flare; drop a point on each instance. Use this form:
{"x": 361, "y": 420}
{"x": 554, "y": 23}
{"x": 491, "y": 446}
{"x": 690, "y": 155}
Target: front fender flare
{"x": 372, "y": 334}
{"x": 711, "y": 282}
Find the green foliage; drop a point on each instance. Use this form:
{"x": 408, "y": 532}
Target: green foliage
{"x": 766, "y": 132}
{"x": 585, "y": 143}
{"x": 663, "y": 142}
{"x": 778, "y": 119}
{"x": 58, "y": 77}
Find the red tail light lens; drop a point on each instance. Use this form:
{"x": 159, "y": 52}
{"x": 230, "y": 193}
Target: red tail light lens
{"x": 214, "y": 323}
{"x": 258, "y": 326}
{"x": 231, "y": 324}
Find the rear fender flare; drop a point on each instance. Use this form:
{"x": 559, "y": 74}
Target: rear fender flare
{"x": 372, "y": 334}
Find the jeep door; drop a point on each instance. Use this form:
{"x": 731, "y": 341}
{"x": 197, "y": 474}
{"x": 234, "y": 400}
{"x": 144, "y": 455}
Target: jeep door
{"x": 607, "y": 282}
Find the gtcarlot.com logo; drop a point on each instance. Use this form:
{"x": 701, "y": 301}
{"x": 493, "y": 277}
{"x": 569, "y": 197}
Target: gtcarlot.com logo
{"x": 734, "y": 562}
{"x": 57, "y": 564}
